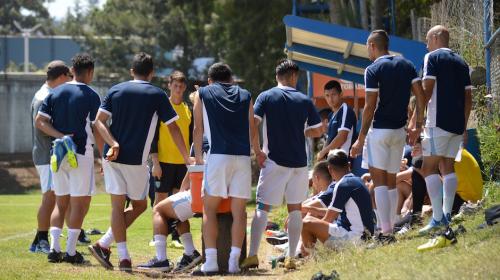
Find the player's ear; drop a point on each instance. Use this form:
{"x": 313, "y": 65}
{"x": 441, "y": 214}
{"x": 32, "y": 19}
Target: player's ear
{"x": 210, "y": 81}
{"x": 131, "y": 72}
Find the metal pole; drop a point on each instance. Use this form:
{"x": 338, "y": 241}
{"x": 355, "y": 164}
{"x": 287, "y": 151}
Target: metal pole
{"x": 487, "y": 34}
{"x": 393, "y": 17}
{"x": 26, "y": 52}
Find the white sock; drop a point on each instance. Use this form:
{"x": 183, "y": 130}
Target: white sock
{"x": 161, "y": 246}
{"x": 449, "y": 190}
{"x": 234, "y": 260}
{"x": 187, "y": 241}
{"x": 107, "y": 239}
{"x": 122, "y": 251}
{"x": 378, "y": 219}
{"x": 55, "y": 234}
{"x": 294, "y": 231}
{"x": 299, "y": 246}
{"x": 210, "y": 260}
{"x": 393, "y": 198}
{"x": 72, "y": 239}
{"x": 259, "y": 223}
{"x": 383, "y": 208}
{"x": 435, "y": 190}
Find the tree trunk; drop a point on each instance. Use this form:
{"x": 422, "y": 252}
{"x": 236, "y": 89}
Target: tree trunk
{"x": 377, "y": 10}
{"x": 336, "y": 12}
{"x": 363, "y": 10}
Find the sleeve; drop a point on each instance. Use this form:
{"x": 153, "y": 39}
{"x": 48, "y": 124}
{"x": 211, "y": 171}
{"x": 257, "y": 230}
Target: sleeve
{"x": 313, "y": 119}
{"x": 468, "y": 84}
{"x": 371, "y": 81}
{"x": 165, "y": 111}
{"x": 339, "y": 198}
{"x": 94, "y": 107}
{"x": 429, "y": 67}
{"x": 46, "y": 107}
{"x": 156, "y": 138}
{"x": 258, "y": 107}
{"x": 413, "y": 74}
{"x": 348, "y": 119}
{"x": 325, "y": 198}
{"x": 107, "y": 105}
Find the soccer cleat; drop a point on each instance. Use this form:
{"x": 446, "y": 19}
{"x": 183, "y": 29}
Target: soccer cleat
{"x": 83, "y": 238}
{"x": 32, "y": 248}
{"x": 250, "y": 262}
{"x": 404, "y": 229}
{"x": 188, "y": 262}
{"x": 382, "y": 239}
{"x": 76, "y": 259}
{"x": 443, "y": 240}
{"x": 277, "y": 239}
{"x": 58, "y": 153}
{"x": 433, "y": 226}
{"x": 42, "y": 247}
{"x": 70, "y": 151}
{"x": 176, "y": 244}
{"x": 101, "y": 254}
{"x": 125, "y": 265}
{"x": 200, "y": 272}
{"x": 290, "y": 263}
{"x": 282, "y": 247}
{"x": 155, "y": 264}
{"x": 54, "y": 256}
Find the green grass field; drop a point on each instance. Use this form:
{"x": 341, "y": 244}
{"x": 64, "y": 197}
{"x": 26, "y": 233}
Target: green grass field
{"x": 476, "y": 256}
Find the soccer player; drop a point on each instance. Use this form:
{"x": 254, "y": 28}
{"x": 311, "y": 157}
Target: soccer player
{"x": 134, "y": 108}
{"x": 348, "y": 216}
{"x": 224, "y": 112}
{"x": 171, "y": 168}
{"x": 57, "y": 74}
{"x": 288, "y": 116}
{"x": 341, "y": 121}
{"x": 70, "y": 110}
{"x": 447, "y": 88}
{"x": 389, "y": 81}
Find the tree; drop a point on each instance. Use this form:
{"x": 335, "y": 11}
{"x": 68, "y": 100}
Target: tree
{"x": 250, "y": 35}
{"x": 26, "y": 12}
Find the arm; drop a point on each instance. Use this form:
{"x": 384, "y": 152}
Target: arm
{"x": 43, "y": 123}
{"x": 198, "y": 129}
{"x": 174, "y": 130}
{"x": 417, "y": 120}
{"x": 368, "y": 113}
{"x": 260, "y": 156}
{"x": 101, "y": 126}
{"x": 186, "y": 183}
{"x": 314, "y": 131}
{"x": 404, "y": 175}
{"x": 467, "y": 108}
{"x": 336, "y": 143}
{"x": 330, "y": 216}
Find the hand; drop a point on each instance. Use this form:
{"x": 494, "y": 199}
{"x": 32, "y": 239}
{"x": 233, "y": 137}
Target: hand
{"x": 413, "y": 135}
{"x": 156, "y": 171}
{"x": 199, "y": 161}
{"x": 261, "y": 157}
{"x": 99, "y": 163}
{"x": 357, "y": 148}
{"x": 321, "y": 155}
{"x": 112, "y": 153}
{"x": 190, "y": 161}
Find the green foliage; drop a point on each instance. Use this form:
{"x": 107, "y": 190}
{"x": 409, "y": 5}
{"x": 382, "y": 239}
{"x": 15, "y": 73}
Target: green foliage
{"x": 249, "y": 35}
{"x": 488, "y": 116}
{"x": 33, "y": 13}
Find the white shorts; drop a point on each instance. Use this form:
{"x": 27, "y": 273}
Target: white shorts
{"x": 181, "y": 203}
{"x": 276, "y": 182}
{"x": 126, "y": 179}
{"x": 45, "y": 177}
{"x": 384, "y": 149}
{"x": 78, "y": 181}
{"x": 227, "y": 176}
{"x": 339, "y": 236}
{"x": 438, "y": 142}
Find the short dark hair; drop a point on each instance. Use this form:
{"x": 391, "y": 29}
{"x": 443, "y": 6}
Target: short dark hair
{"x": 380, "y": 38}
{"x": 286, "y": 67}
{"x": 418, "y": 163}
{"x": 55, "y": 69}
{"x": 220, "y": 72}
{"x": 177, "y": 76}
{"x": 321, "y": 168}
{"x": 338, "y": 159}
{"x": 332, "y": 84}
{"x": 142, "y": 64}
{"x": 82, "y": 62}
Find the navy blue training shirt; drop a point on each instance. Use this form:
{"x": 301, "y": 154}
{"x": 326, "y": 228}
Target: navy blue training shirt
{"x": 352, "y": 200}
{"x": 72, "y": 108}
{"x": 135, "y": 107}
{"x": 326, "y": 197}
{"x": 343, "y": 119}
{"x": 225, "y": 118}
{"x": 446, "y": 106}
{"x": 391, "y": 76}
{"x": 285, "y": 113}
